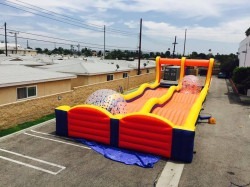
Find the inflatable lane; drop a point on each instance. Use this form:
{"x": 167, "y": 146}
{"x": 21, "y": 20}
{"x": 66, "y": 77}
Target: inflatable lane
{"x": 162, "y": 124}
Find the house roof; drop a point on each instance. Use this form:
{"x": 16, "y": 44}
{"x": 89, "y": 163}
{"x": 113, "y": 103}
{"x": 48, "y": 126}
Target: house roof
{"x": 86, "y": 68}
{"x": 22, "y": 62}
{"x": 13, "y": 75}
{"x": 144, "y": 64}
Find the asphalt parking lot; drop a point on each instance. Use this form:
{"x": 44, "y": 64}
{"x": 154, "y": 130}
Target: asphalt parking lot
{"x": 36, "y": 157}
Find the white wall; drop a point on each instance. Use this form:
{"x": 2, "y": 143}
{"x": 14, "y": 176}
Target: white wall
{"x": 244, "y": 52}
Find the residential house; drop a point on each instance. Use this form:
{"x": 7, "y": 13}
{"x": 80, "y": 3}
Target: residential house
{"x": 17, "y": 49}
{"x": 146, "y": 66}
{"x": 90, "y": 71}
{"x": 19, "y": 82}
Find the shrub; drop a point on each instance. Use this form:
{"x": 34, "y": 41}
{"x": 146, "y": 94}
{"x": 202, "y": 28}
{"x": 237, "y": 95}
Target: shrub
{"x": 240, "y": 74}
{"x": 241, "y": 77}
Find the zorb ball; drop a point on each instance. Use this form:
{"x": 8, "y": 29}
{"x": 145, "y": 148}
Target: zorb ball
{"x": 108, "y": 99}
{"x": 191, "y": 85}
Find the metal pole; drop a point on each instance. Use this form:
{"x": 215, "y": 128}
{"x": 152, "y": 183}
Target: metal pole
{"x": 6, "y": 51}
{"x": 185, "y": 42}
{"x": 174, "y": 46}
{"x": 104, "y": 43}
{"x": 16, "y": 41}
{"x": 139, "y": 54}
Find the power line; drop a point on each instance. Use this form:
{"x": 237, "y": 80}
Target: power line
{"x": 78, "y": 20}
{"x": 63, "y": 16}
{"x": 67, "y": 18}
{"x": 50, "y": 17}
{"x": 56, "y": 42}
{"x": 84, "y": 43}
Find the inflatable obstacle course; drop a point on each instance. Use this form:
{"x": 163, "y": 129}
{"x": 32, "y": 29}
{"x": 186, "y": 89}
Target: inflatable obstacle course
{"x": 151, "y": 119}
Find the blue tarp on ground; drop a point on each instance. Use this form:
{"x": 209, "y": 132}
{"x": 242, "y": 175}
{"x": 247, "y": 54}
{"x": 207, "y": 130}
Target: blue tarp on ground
{"x": 123, "y": 155}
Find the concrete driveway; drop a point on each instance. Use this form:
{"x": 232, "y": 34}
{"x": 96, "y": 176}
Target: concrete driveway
{"x": 222, "y": 155}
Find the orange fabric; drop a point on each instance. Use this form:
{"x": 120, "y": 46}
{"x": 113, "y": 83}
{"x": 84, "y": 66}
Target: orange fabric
{"x": 195, "y": 62}
{"x": 177, "y": 108}
{"x": 136, "y": 105}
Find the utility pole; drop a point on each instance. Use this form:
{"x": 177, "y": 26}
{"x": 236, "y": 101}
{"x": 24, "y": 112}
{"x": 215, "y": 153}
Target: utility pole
{"x": 16, "y": 41}
{"x": 15, "y": 34}
{"x": 104, "y": 30}
{"x": 139, "y": 53}
{"x": 78, "y": 48}
{"x": 28, "y": 44}
{"x": 185, "y": 42}
{"x": 6, "y": 51}
{"x": 174, "y": 46}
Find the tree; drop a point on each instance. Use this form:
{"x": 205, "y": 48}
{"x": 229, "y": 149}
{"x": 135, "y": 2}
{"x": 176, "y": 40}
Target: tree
{"x": 39, "y": 50}
{"x": 152, "y": 55}
{"x": 167, "y": 53}
{"x": 46, "y": 51}
{"x": 87, "y": 52}
{"x": 227, "y": 63}
{"x": 1, "y": 52}
{"x": 202, "y": 56}
{"x": 248, "y": 32}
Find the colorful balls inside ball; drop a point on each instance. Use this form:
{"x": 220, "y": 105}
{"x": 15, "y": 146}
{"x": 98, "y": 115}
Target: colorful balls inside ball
{"x": 108, "y": 99}
{"x": 191, "y": 85}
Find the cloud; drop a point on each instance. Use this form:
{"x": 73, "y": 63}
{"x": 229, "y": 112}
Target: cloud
{"x": 227, "y": 32}
{"x": 15, "y": 14}
{"x": 181, "y": 8}
{"x": 99, "y": 22}
{"x": 132, "y": 24}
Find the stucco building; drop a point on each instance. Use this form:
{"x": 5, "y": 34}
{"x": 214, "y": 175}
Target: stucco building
{"x": 244, "y": 52}
{"x": 19, "y": 82}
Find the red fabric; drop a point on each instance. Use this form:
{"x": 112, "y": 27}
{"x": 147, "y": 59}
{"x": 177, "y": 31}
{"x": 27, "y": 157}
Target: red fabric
{"x": 146, "y": 134}
{"x": 89, "y": 123}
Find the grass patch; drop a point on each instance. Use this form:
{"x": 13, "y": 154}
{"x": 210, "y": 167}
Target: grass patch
{"x": 26, "y": 125}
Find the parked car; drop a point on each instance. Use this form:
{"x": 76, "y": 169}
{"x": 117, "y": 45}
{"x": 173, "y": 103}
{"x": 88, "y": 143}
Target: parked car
{"x": 222, "y": 75}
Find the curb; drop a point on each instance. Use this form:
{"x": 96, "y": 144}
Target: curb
{"x": 243, "y": 98}
{"x": 234, "y": 87}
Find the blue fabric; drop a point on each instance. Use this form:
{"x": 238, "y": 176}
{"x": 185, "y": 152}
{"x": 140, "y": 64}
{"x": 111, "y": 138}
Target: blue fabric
{"x": 121, "y": 155}
{"x": 61, "y": 122}
{"x": 114, "y": 132}
{"x": 182, "y": 145}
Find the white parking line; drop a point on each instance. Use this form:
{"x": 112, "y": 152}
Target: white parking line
{"x": 56, "y": 140}
{"x": 32, "y": 166}
{"x": 32, "y": 127}
{"x": 171, "y": 175}
{"x": 47, "y": 134}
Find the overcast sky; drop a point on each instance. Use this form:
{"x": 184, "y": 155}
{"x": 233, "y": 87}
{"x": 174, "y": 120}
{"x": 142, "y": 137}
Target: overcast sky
{"x": 218, "y": 25}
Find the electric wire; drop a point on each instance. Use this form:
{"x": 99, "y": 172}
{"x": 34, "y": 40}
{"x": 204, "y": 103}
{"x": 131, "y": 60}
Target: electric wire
{"x": 77, "y": 20}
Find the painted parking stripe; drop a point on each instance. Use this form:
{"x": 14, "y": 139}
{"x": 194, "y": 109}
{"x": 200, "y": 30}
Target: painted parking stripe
{"x": 47, "y": 134}
{"x": 41, "y": 137}
{"x": 170, "y": 175}
{"x": 60, "y": 168}
{"x": 32, "y": 127}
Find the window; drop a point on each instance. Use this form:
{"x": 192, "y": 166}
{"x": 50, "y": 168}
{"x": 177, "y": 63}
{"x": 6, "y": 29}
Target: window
{"x": 25, "y": 92}
{"x": 125, "y": 75}
{"x": 110, "y": 77}
{"x": 147, "y": 70}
